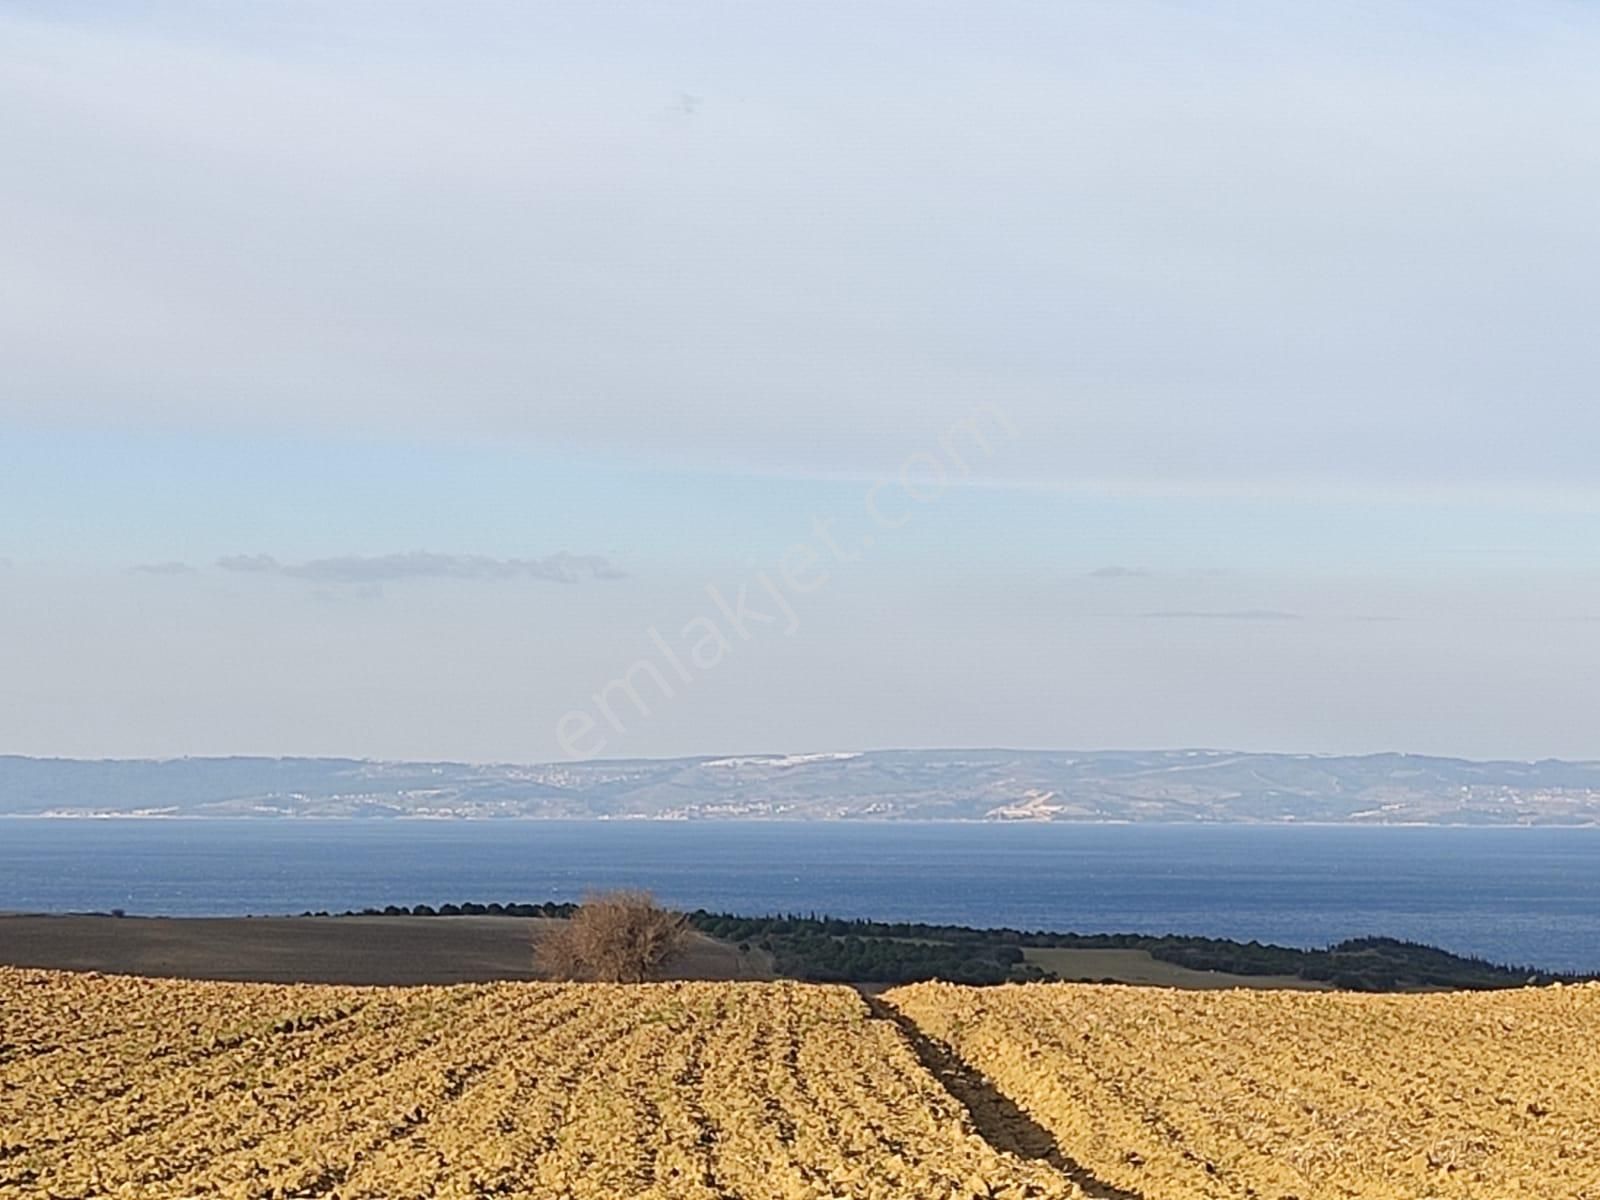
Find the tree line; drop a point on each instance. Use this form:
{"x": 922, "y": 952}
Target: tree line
{"x": 821, "y": 948}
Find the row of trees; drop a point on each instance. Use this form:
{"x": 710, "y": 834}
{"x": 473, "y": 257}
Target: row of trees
{"x": 625, "y": 937}
{"x": 550, "y": 909}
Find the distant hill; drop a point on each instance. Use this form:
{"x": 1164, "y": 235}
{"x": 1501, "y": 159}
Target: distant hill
{"x": 992, "y": 785}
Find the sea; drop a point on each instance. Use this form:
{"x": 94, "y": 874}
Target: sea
{"x": 1519, "y": 896}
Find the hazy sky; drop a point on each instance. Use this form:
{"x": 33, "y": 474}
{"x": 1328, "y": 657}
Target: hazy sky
{"x": 389, "y": 379}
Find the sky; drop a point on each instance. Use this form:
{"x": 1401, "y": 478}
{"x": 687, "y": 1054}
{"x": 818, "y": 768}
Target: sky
{"x": 511, "y": 382}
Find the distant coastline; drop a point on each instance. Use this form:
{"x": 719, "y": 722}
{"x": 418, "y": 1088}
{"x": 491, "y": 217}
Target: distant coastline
{"x": 984, "y": 822}
{"x": 984, "y": 786}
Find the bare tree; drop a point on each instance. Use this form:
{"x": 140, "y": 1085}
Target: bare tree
{"x": 614, "y": 937}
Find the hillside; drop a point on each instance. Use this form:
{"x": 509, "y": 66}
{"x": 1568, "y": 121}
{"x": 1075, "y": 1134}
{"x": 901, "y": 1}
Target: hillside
{"x": 476, "y": 943}
{"x": 992, "y": 785}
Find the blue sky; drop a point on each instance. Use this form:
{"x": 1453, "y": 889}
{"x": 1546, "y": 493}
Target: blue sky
{"x": 385, "y": 379}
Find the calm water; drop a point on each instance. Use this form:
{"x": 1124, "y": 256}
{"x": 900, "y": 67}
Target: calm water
{"x": 1518, "y": 895}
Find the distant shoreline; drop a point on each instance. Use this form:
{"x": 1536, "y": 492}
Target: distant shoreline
{"x": 968, "y": 785}
{"x": 976, "y": 822}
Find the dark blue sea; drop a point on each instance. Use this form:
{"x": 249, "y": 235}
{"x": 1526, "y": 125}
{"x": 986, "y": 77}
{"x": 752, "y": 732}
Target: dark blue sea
{"x": 1524, "y": 896}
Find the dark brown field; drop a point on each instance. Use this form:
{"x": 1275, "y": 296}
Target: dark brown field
{"x": 345, "y": 950}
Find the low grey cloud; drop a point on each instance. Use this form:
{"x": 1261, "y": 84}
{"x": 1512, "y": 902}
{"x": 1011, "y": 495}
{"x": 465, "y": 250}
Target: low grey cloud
{"x": 162, "y": 568}
{"x": 421, "y": 564}
{"x": 1239, "y": 614}
{"x": 1118, "y": 573}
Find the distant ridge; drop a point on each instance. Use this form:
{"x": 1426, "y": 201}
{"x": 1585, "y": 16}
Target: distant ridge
{"x": 1213, "y": 786}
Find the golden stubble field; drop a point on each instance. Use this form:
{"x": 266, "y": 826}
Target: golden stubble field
{"x": 1272, "y": 1095}
{"x": 115, "y": 1086}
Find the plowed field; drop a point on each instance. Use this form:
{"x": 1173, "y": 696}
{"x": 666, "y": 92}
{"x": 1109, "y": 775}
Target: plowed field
{"x": 113, "y": 1086}
{"x": 1273, "y": 1095}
